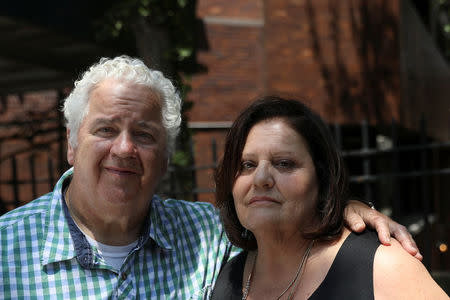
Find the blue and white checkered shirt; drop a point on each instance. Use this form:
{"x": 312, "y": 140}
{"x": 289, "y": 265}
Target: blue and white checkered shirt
{"x": 44, "y": 257}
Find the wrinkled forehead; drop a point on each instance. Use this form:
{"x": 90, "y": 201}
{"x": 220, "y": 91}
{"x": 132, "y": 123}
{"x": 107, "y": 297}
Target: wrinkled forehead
{"x": 129, "y": 87}
{"x": 117, "y": 99}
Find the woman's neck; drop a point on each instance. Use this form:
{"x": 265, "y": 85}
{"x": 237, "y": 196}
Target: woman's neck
{"x": 279, "y": 256}
{"x": 275, "y": 268}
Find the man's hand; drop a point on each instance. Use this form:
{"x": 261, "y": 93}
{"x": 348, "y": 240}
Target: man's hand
{"x": 357, "y": 215}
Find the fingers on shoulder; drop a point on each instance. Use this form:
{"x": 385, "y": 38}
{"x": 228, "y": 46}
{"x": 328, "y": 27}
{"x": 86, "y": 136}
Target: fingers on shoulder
{"x": 353, "y": 219}
{"x": 406, "y": 240}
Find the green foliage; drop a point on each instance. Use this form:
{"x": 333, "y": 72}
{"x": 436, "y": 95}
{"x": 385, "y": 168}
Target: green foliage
{"x": 177, "y": 16}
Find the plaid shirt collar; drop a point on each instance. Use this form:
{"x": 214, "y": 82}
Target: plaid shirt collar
{"x": 59, "y": 245}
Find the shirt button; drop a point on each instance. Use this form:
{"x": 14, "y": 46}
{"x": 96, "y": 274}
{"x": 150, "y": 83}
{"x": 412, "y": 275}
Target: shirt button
{"x": 123, "y": 276}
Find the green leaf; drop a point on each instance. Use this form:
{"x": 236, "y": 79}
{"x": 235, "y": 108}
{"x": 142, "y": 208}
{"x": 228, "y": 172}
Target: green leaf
{"x": 184, "y": 52}
{"x": 118, "y": 25}
{"x": 143, "y": 11}
{"x": 182, "y": 3}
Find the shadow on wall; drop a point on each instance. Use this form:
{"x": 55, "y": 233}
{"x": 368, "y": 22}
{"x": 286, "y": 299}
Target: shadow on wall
{"x": 374, "y": 34}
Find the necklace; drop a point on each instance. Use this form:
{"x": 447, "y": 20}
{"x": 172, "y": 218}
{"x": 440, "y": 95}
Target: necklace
{"x": 294, "y": 281}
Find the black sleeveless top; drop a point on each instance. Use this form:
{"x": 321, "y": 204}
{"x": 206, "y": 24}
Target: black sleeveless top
{"x": 349, "y": 277}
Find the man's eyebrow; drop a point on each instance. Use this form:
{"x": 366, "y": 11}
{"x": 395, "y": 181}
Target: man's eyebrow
{"x": 102, "y": 121}
{"x": 147, "y": 125}
{"x": 141, "y": 124}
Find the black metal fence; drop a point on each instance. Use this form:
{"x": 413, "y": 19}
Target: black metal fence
{"x": 404, "y": 172}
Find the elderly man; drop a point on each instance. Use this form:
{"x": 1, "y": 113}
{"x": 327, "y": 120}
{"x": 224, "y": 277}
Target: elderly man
{"x": 102, "y": 233}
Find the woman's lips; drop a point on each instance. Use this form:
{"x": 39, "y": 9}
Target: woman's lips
{"x": 263, "y": 200}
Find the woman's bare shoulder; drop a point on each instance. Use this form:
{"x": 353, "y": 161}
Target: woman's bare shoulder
{"x": 398, "y": 275}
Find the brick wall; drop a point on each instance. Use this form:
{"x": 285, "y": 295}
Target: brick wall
{"x": 32, "y": 144}
{"x": 342, "y": 56}
{"x": 234, "y": 58}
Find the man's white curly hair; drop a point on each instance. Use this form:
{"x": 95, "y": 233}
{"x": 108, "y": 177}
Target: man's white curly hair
{"x": 129, "y": 69}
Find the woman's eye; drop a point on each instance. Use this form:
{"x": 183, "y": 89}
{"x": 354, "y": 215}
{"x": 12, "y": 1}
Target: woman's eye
{"x": 285, "y": 164}
{"x": 247, "y": 165}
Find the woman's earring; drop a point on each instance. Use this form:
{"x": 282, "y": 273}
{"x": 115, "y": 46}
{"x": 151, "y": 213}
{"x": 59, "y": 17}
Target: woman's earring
{"x": 244, "y": 234}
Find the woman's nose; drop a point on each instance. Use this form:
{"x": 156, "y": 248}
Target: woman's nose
{"x": 263, "y": 176}
{"x": 124, "y": 146}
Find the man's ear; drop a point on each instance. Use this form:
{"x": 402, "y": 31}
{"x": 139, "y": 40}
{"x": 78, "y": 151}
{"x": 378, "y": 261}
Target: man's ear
{"x": 70, "y": 150}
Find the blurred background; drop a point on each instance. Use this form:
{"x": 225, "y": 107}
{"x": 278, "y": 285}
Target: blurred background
{"x": 377, "y": 71}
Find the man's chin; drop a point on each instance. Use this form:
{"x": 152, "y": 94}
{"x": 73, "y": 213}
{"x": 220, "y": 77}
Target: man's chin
{"x": 119, "y": 195}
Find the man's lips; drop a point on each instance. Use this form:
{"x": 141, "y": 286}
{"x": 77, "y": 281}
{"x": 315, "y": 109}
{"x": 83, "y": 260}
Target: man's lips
{"x": 262, "y": 199}
{"x": 123, "y": 171}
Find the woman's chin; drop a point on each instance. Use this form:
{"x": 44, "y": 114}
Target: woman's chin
{"x": 263, "y": 222}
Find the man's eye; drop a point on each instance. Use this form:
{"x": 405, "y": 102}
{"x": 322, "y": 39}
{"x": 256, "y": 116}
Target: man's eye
{"x": 104, "y": 131}
{"x": 144, "y": 137}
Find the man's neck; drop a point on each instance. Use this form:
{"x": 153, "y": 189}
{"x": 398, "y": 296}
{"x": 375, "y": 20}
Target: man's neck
{"x": 106, "y": 227}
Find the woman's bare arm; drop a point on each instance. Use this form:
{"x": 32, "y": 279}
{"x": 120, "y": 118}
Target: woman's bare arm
{"x": 397, "y": 275}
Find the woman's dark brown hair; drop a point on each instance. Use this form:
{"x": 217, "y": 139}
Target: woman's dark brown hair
{"x": 331, "y": 174}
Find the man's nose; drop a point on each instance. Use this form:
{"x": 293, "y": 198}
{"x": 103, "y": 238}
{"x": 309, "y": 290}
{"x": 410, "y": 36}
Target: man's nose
{"x": 124, "y": 146}
{"x": 263, "y": 176}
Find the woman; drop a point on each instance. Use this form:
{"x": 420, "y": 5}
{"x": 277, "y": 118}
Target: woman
{"x": 281, "y": 192}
